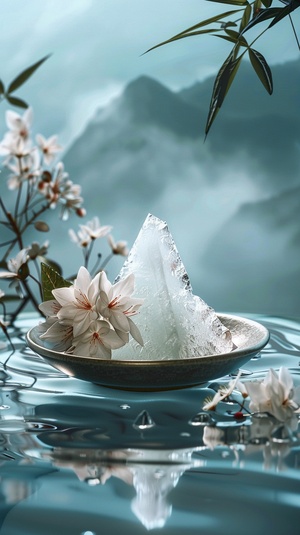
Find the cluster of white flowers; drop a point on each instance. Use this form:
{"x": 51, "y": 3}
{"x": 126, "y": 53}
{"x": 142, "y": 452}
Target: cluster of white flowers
{"x": 27, "y": 162}
{"x": 92, "y": 317}
{"x": 275, "y": 394}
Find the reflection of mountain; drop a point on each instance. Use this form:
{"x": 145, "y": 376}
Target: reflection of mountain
{"x": 145, "y": 153}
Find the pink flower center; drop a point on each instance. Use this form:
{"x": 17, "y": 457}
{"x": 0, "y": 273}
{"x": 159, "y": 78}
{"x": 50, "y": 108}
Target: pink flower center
{"x": 114, "y": 302}
{"x": 83, "y": 302}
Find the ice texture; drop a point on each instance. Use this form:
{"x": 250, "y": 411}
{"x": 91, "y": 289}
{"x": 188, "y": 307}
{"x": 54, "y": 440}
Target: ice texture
{"x": 174, "y": 323}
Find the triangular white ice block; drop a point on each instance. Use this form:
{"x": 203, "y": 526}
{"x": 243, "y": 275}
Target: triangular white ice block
{"x": 173, "y": 322}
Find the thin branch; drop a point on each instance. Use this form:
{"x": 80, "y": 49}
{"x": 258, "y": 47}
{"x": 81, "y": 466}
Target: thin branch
{"x": 295, "y": 34}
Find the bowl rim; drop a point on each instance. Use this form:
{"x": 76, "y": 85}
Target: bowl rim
{"x": 236, "y": 353}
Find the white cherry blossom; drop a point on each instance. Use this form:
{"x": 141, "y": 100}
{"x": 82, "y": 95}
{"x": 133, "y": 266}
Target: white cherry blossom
{"x": 97, "y": 341}
{"x": 81, "y": 238}
{"x": 94, "y": 230}
{"x": 19, "y": 125}
{"x": 14, "y": 265}
{"x": 49, "y": 147}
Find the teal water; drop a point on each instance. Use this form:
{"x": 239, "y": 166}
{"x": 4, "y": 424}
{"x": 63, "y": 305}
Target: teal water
{"x": 80, "y": 459}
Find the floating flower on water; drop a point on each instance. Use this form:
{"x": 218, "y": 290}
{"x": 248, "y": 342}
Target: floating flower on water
{"x": 210, "y": 403}
{"x": 275, "y": 394}
{"x": 223, "y": 393}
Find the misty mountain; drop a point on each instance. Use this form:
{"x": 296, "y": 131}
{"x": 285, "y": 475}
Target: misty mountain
{"x": 256, "y": 255}
{"x": 231, "y": 203}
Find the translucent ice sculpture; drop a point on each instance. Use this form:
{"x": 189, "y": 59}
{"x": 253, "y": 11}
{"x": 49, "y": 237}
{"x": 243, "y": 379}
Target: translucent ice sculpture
{"x": 174, "y": 323}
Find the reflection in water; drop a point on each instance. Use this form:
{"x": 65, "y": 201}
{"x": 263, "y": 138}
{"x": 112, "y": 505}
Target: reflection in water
{"x": 72, "y": 448}
{"x": 152, "y": 473}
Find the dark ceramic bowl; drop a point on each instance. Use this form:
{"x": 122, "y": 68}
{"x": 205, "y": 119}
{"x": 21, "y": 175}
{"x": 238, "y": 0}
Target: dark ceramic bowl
{"x": 249, "y": 337}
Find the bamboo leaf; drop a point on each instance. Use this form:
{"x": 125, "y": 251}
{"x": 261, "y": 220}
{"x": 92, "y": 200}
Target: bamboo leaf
{"x": 14, "y": 101}
{"x": 232, "y": 2}
{"x": 237, "y": 37}
{"x": 262, "y": 69}
{"x": 50, "y": 280}
{"x": 221, "y": 87}
{"x": 191, "y": 31}
{"x": 263, "y": 15}
{"x": 284, "y": 12}
{"x": 232, "y": 39}
{"x": 246, "y": 17}
{"x": 23, "y": 77}
{"x": 2, "y": 88}
{"x": 267, "y": 3}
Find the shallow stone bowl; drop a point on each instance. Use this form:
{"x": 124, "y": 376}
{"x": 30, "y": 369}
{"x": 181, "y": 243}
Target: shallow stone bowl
{"x": 249, "y": 337}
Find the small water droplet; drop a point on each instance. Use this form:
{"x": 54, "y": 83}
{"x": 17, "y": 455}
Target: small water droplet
{"x": 33, "y": 426}
{"x": 125, "y": 407}
{"x": 4, "y": 407}
{"x": 143, "y": 421}
{"x": 93, "y": 481}
{"x": 258, "y": 440}
{"x": 225, "y": 454}
{"x": 185, "y": 434}
{"x": 202, "y": 418}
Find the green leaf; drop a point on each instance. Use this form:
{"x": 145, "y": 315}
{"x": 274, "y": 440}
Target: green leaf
{"x": 14, "y": 101}
{"x": 267, "y": 3}
{"x": 191, "y": 31}
{"x": 2, "y": 88}
{"x": 245, "y": 17}
{"x": 284, "y": 12}
{"x": 23, "y": 77}
{"x": 237, "y": 38}
{"x": 263, "y": 15}
{"x": 262, "y": 69}
{"x": 232, "y": 2}
{"x": 232, "y": 40}
{"x": 49, "y": 262}
{"x": 221, "y": 87}
{"x": 50, "y": 280}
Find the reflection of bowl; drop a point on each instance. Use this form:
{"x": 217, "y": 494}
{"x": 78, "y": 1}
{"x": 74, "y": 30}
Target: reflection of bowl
{"x": 248, "y": 336}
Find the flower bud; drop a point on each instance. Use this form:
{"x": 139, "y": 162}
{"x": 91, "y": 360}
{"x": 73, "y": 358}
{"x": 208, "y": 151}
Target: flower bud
{"x": 81, "y": 212}
{"x": 41, "y": 226}
{"x": 46, "y": 176}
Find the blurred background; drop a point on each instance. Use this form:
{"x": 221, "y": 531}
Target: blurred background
{"x": 132, "y": 126}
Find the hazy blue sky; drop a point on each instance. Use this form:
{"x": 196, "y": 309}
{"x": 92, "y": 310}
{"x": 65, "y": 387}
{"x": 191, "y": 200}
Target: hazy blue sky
{"x": 97, "y": 47}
